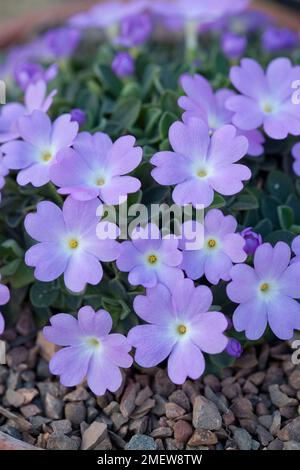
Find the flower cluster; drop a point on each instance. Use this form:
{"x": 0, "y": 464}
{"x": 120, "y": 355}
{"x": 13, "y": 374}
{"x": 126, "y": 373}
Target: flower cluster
{"x": 153, "y": 129}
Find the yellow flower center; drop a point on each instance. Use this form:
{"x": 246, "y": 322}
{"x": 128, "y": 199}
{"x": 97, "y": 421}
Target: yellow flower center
{"x": 46, "y": 156}
{"x": 211, "y": 243}
{"x": 201, "y": 173}
{"x": 264, "y": 287}
{"x": 94, "y": 342}
{"x": 100, "y": 182}
{"x": 152, "y": 259}
{"x": 268, "y": 109}
{"x": 181, "y": 329}
{"x": 73, "y": 244}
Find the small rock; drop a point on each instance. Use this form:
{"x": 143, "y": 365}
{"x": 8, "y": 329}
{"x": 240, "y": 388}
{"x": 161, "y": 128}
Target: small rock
{"x": 266, "y": 421}
{"x": 162, "y": 384}
{"x": 143, "y": 409}
{"x": 62, "y": 426}
{"x": 94, "y": 435}
{"x": 59, "y": 441}
{"x": 291, "y": 445}
{"x": 242, "y": 438}
{"x": 80, "y": 394}
{"x": 127, "y": 404}
{"x": 279, "y": 398}
{"x": 75, "y": 412}
{"x": 161, "y": 432}
{"x": 14, "y": 398}
{"x": 46, "y": 349}
{"x": 141, "y": 442}
{"x": 288, "y": 412}
{"x": 118, "y": 419}
{"x": 242, "y": 408}
{"x": 213, "y": 382}
{"x": 182, "y": 431}
{"x": 28, "y": 394}
{"x": 264, "y": 435}
{"x": 53, "y": 406}
{"x": 174, "y": 411}
{"x": 30, "y": 410}
{"x": 276, "y": 423}
{"x": 17, "y": 356}
{"x": 143, "y": 395}
{"x": 290, "y": 432}
{"x": 113, "y": 407}
{"x": 257, "y": 378}
{"x": 180, "y": 398}
{"x": 228, "y": 418}
{"x": 275, "y": 445}
{"x": 160, "y": 405}
{"x": 294, "y": 379}
{"x": 206, "y": 415}
{"x": 203, "y": 437}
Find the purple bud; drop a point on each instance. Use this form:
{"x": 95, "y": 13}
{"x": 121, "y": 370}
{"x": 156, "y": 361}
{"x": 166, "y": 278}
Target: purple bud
{"x": 233, "y": 45}
{"x": 276, "y": 39}
{"x": 135, "y": 30}
{"x": 252, "y": 239}
{"x": 78, "y": 115}
{"x": 234, "y": 348}
{"x": 123, "y": 64}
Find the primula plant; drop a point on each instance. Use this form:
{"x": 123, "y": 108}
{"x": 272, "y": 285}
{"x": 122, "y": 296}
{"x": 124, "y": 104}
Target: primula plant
{"x": 146, "y": 103}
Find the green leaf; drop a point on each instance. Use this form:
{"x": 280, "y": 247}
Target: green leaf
{"x": 218, "y": 202}
{"x": 245, "y": 202}
{"x": 22, "y": 277}
{"x": 286, "y": 216}
{"x": 222, "y": 360}
{"x": 280, "y": 185}
{"x": 165, "y": 123}
{"x": 14, "y": 247}
{"x": 109, "y": 80}
{"x": 280, "y": 235}
{"x": 126, "y": 112}
{"x": 169, "y": 102}
{"x": 264, "y": 227}
{"x": 10, "y": 268}
{"x": 43, "y": 294}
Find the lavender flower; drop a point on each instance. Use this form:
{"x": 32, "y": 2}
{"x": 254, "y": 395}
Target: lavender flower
{"x": 135, "y": 30}
{"x": 68, "y": 243}
{"x": 32, "y": 72}
{"x": 222, "y": 247}
{"x": 41, "y": 142}
{"x": 266, "y": 293}
{"x": 202, "y": 102}
{"x": 266, "y": 98}
{"x": 234, "y": 348}
{"x": 296, "y": 155}
{"x": 253, "y": 240}
{"x": 200, "y": 164}
{"x": 123, "y": 64}
{"x": 233, "y": 45}
{"x": 35, "y": 99}
{"x": 179, "y": 327}
{"x": 96, "y": 168}
{"x": 150, "y": 259}
{"x": 89, "y": 350}
{"x": 4, "y": 298}
{"x": 79, "y": 116}
{"x": 277, "y": 39}
{"x": 62, "y": 42}
{"x": 296, "y": 249}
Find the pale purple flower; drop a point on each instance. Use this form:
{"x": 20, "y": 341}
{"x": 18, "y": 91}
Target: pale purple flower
{"x": 201, "y": 164}
{"x": 42, "y": 140}
{"x": 202, "y": 11}
{"x": 68, "y": 243}
{"x": 266, "y": 97}
{"x": 35, "y": 98}
{"x": 108, "y": 14}
{"x": 296, "y": 249}
{"x": 89, "y": 350}
{"x": 150, "y": 259}
{"x": 32, "y": 72}
{"x": 296, "y": 155}
{"x": 179, "y": 328}
{"x": 123, "y": 64}
{"x": 277, "y": 39}
{"x": 248, "y": 21}
{"x": 253, "y": 240}
{"x": 234, "y": 348}
{"x": 266, "y": 293}
{"x": 201, "y": 101}
{"x": 4, "y": 298}
{"x": 62, "y": 42}
{"x": 135, "y": 30}
{"x": 233, "y": 45}
{"x": 78, "y": 116}
{"x": 96, "y": 166}
{"x": 221, "y": 248}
